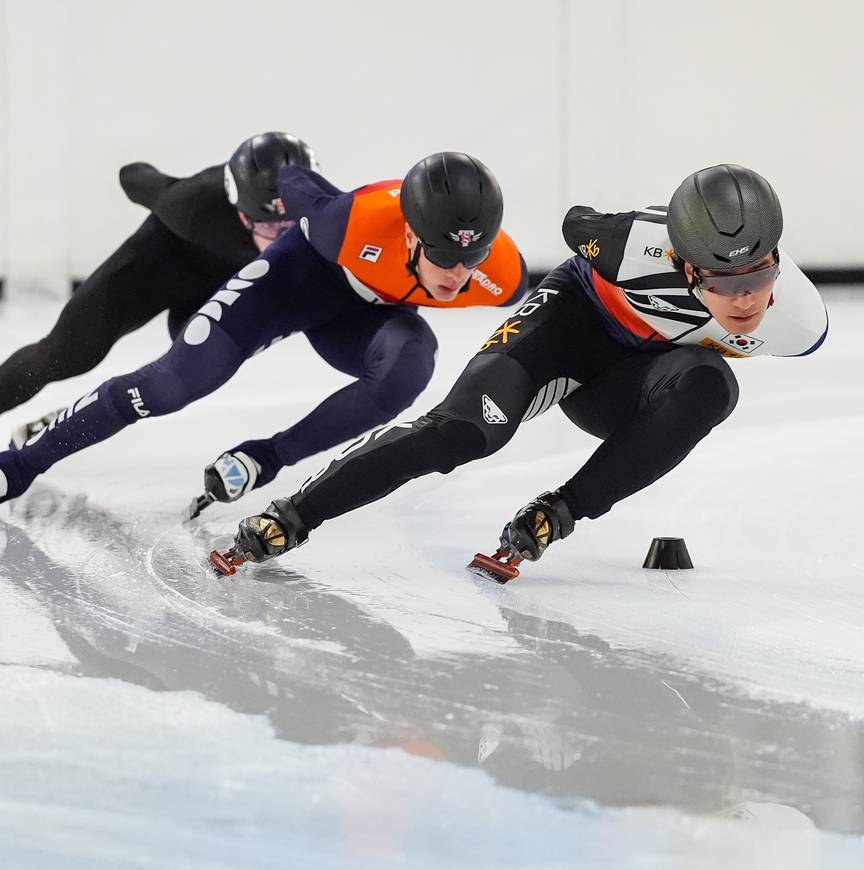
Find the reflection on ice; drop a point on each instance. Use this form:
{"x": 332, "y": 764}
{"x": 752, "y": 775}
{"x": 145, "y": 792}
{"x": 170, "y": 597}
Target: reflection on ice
{"x": 372, "y": 706}
{"x": 564, "y": 715}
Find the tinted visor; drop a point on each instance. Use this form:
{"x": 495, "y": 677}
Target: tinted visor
{"x": 738, "y": 285}
{"x": 271, "y": 229}
{"x": 450, "y": 258}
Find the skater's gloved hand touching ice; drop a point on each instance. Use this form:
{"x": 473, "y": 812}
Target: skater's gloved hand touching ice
{"x": 277, "y": 530}
{"x": 535, "y": 526}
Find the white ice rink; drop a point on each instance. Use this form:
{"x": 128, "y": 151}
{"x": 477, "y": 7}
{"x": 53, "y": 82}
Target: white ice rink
{"x": 365, "y": 702}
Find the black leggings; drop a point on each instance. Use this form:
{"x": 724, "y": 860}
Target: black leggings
{"x": 650, "y": 407}
{"x": 153, "y": 270}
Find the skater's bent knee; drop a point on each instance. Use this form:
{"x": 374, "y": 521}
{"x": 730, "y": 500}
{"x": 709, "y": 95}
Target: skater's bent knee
{"x": 714, "y": 388}
{"x": 464, "y": 441}
{"x": 450, "y": 443}
{"x": 405, "y": 379}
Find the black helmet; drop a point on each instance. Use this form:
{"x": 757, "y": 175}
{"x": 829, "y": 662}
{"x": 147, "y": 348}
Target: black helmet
{"x": 724, "y": 217}
{"x": 453, "y": 204}
{"x": 250, "y": 173}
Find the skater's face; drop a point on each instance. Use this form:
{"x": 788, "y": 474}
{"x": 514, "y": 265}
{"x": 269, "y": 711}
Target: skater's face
{"x": 443, "y": 284}
{"x": 264, "y": 233}
{"x": 743, "y": 311}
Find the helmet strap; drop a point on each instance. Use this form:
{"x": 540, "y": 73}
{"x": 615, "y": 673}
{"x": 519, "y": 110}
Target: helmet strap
{"x": 411, "y": 267}
{"x": 247, "y": 223}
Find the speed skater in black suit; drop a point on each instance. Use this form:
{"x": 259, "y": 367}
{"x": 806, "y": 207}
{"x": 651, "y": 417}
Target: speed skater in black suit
{"x": 628, "y": 337}
{"x": 200, "y": 231}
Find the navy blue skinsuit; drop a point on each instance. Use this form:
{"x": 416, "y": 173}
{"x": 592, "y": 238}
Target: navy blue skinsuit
{"x": 291, "y": 287}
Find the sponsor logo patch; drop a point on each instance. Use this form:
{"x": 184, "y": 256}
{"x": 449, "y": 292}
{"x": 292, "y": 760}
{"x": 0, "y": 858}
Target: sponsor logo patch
{"x": 138, "y": 402}
{"x": 662, "y": 304}
{"x": 465, "y": 237}
{"x": 491, "y": 412}
{"x": 722, "y": 349}
{"x": 743, "y": 343}
{"x": 371, "y": 253}
{"x": 502, "y": 334}
{"x": 538, "y": 299}
{"x": 590, "y": 249}
{"x": 483, "y": 280}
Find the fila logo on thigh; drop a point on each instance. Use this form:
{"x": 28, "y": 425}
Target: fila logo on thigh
{"x": 538, "y": 299}
{"x": 198, "y": 329}
{"x": 138, "y": 402}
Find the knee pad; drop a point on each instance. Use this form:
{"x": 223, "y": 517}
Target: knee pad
{"x": 462, "y": 440}
{"x": 459, "y": 441}
{"x": 398, "y": 376}
{"x": 183, "y": 375}
{"x": 403, "y": 383}
{"x": 716, "y": 388}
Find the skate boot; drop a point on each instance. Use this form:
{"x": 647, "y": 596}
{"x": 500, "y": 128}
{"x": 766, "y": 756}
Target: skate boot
{"x": 542, "y": 521}
{"x": 23, "y": 433}
{"x": 231, "y": 476}
{"x": 547, "y": 518}
{"x": 15, "y": 478}
{"x": 263, "y": 536}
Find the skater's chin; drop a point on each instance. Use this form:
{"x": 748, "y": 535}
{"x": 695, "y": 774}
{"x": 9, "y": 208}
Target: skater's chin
{"x": 445, "y": 294}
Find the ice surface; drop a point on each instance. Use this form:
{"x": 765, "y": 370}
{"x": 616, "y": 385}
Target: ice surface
{"x": 366, "y": 702}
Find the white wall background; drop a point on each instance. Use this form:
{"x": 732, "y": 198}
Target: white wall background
{"x": 609, "y": 102}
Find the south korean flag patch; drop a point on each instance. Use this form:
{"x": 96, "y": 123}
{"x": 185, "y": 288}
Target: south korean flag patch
{"x": 742, "y": 343}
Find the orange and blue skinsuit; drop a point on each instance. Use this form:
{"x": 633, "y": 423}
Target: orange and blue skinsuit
{"x": 341, "y": 277}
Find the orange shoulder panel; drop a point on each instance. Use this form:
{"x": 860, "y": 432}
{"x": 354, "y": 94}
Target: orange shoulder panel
{"x": 374, "y": 248}
{"x": 612, "y": 297}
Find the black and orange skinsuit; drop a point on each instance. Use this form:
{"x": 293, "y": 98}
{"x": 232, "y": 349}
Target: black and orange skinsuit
{"x": 618, "y": 339}
{"x": 341, "y": 277}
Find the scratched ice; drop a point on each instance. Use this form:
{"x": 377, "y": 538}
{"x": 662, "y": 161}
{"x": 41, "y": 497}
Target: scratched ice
{"x": 367, "y": 703}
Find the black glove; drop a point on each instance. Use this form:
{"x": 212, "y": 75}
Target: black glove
{"x": 543, "y": 520}
{"x": 271, "y": 533}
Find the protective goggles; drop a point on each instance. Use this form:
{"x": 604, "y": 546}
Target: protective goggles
{"x": 739, "y": 285}
{"x": 446, "y": 258}
{"x": 271, "y": 229}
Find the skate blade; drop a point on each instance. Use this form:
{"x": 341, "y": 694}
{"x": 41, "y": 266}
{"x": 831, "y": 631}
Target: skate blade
{"x": 225, "y": 564}
{"x": 197, "y": 505}
{"x": 495, "y": 567}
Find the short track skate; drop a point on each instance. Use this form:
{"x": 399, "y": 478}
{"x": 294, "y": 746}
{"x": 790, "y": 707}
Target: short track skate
{"x": 225, "y": 564}
{"x": 500, "y": 567}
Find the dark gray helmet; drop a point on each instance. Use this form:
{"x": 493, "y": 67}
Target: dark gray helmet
{"x": 454, "y": 205}
{"x": 724, "y": 217}
{"x": 250, "y": 173}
